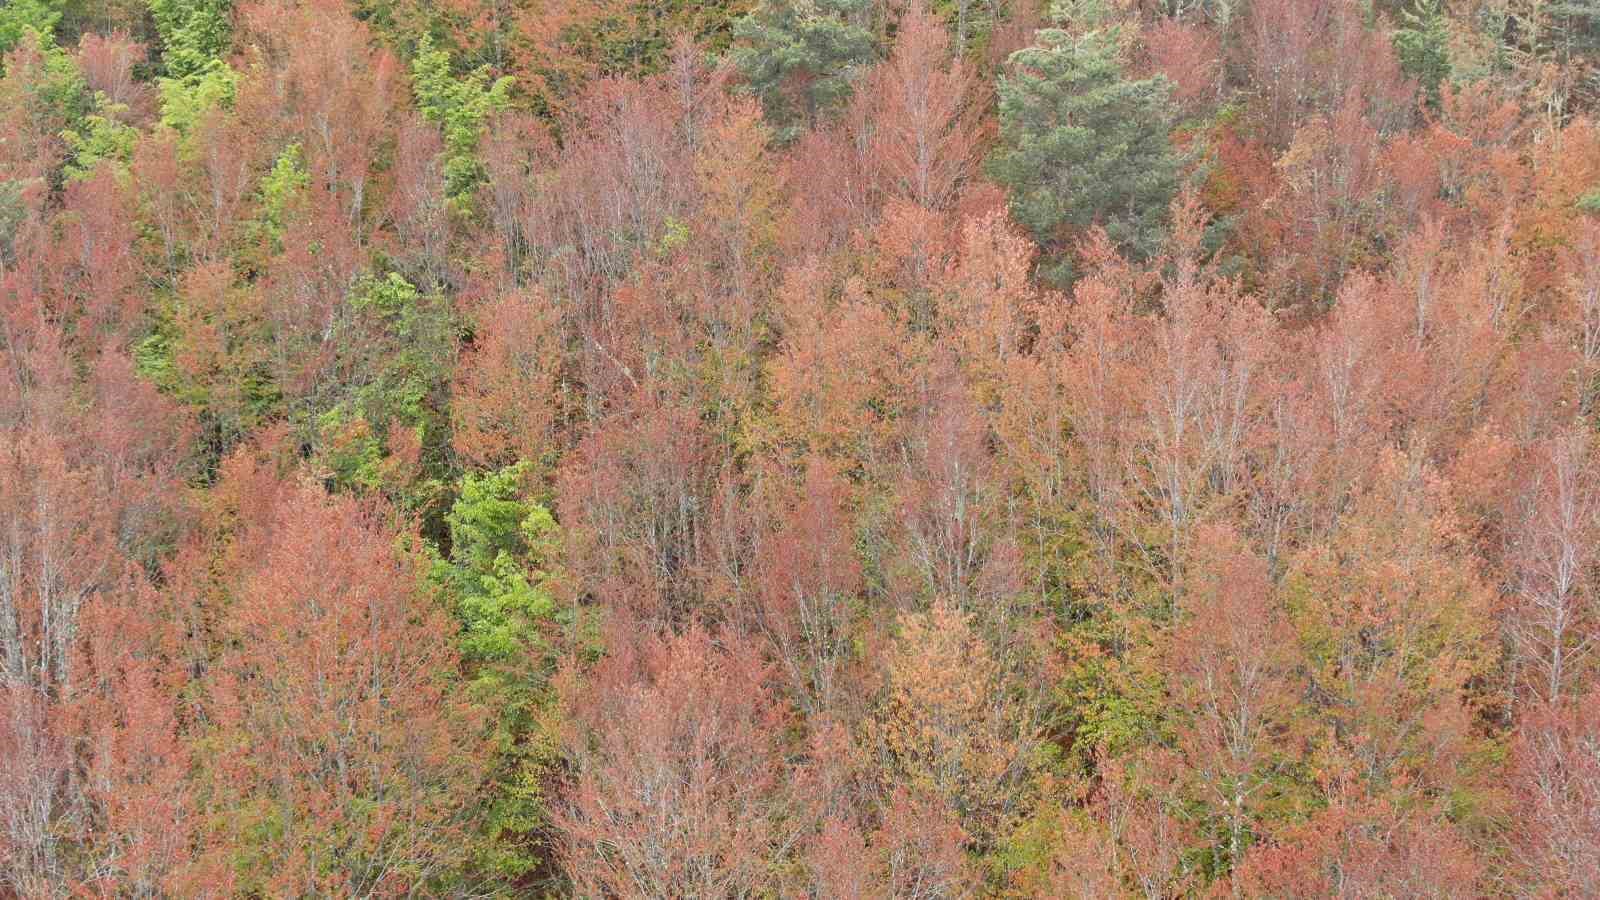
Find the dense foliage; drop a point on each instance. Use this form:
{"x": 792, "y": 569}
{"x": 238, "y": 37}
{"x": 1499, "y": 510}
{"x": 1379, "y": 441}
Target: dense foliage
{"x": 814, "y": 448}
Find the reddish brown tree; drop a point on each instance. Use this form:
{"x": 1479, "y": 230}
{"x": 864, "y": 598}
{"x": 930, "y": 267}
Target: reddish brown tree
{"x": 677, "y": 786}
{"x": 956, "y": 539}
{"x": 1365, "y": 850}
{"x": 1306, "y": 57}
{"x": 1190, "y": 55}
{"x": 925, "y": 131}
{"x": 336, "y": 96}
{"x": 1556, "y": 777}
{"x": 1398, "y": 640}
{"x": 1552, "y": 526}
{"x": 108, "y": 63}
{"x": 88, "y": 724}
{"x": 951, "y": 729}
{"x": 809, "y": 588}
{"x": 1231, "y": 668}
{"x": 505, "y": 398}
{"x": 339, "y": 756}
{"x": 635, "y": 499}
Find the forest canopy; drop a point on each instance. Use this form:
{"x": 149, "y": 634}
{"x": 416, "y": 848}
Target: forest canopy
{"x": 799, "y": 448}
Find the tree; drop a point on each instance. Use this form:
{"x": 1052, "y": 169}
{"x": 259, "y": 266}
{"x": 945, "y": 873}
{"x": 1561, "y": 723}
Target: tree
{"x": 195, "y": 34}
{"x": 677, "y": 787}
{"x": 1556, "y": 776}
{"x": 340, "y": 756}
{"x": 499, "y": 581}
{"x": 20, "y": 16}
{"x": 636, "y": 501}
{"x": 1553, "y": 621}
{"x": 926, "y": 131}
{"x": 61, "y": 593}
{"x": 918, "y": 850}
{"x": 1190, "y": 56}
{"x": 505, "y": 400}
{"x": 805, "y": 601}
{"x": 1308, "y": 57}
{"x": 1365, "y": 850}
{"x": 954, "y": 539}
{"x": 951, "y": 727}
{"x": 337, "y": 98}
{"x": 1230, "y": 667}
{"x": 42, "y": 93}
{"x": 737, "y": 228}
{"x": 108, "y": 64}
{"x": 460, "y": 107}
{"x": 1423, "y": 46}
{"x": 799, "y": 57}
{"x": 89, "y": 466}
{"x": 1081, "y": 144}
{"x": 1397, "y": 639}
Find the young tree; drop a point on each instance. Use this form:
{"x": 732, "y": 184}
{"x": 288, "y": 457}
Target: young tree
{"x": 809, "y": 582}
{"x": 1554, "y": 619}
{"x": 635, "y": 499}
{"x": 1398, "y": 643}
{"x": 195, "y": 34}
{"x": 926, "y": 131}
{"x": 504, "y": 400}
{"x": 1365, "y": 849}
{"x": 1556, "y": 778}
{"x": 1230, "y": 667}
{"x": 461, "y": 108}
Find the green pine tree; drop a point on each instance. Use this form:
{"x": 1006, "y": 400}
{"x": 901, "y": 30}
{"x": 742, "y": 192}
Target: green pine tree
{"x": 194, "y": 34}
{"x": 1081, "y": 144}
{"x": 502, "y": 548}
{"x": 1423, "y": 46}
{"x": 798, "y": 56}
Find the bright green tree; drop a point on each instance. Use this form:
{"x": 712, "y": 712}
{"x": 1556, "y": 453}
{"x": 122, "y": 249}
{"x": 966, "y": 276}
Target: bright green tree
{"x": 18, "y": 16}
{"x": 396, "y": 348}
{"x": 194, "y": 34}
{"x": 461, "y": 107}
{"x": 503, "y": 548}
{"x": 1082, "y": 144}
{"x": 100, "y": 137}
{"x": 279, "y": 189}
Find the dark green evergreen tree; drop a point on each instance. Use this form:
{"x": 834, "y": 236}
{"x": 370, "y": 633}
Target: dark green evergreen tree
{"x": 798, "y": 57}
{"x": 1423, "y": 46}
{"x": 1081, "y": 144}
